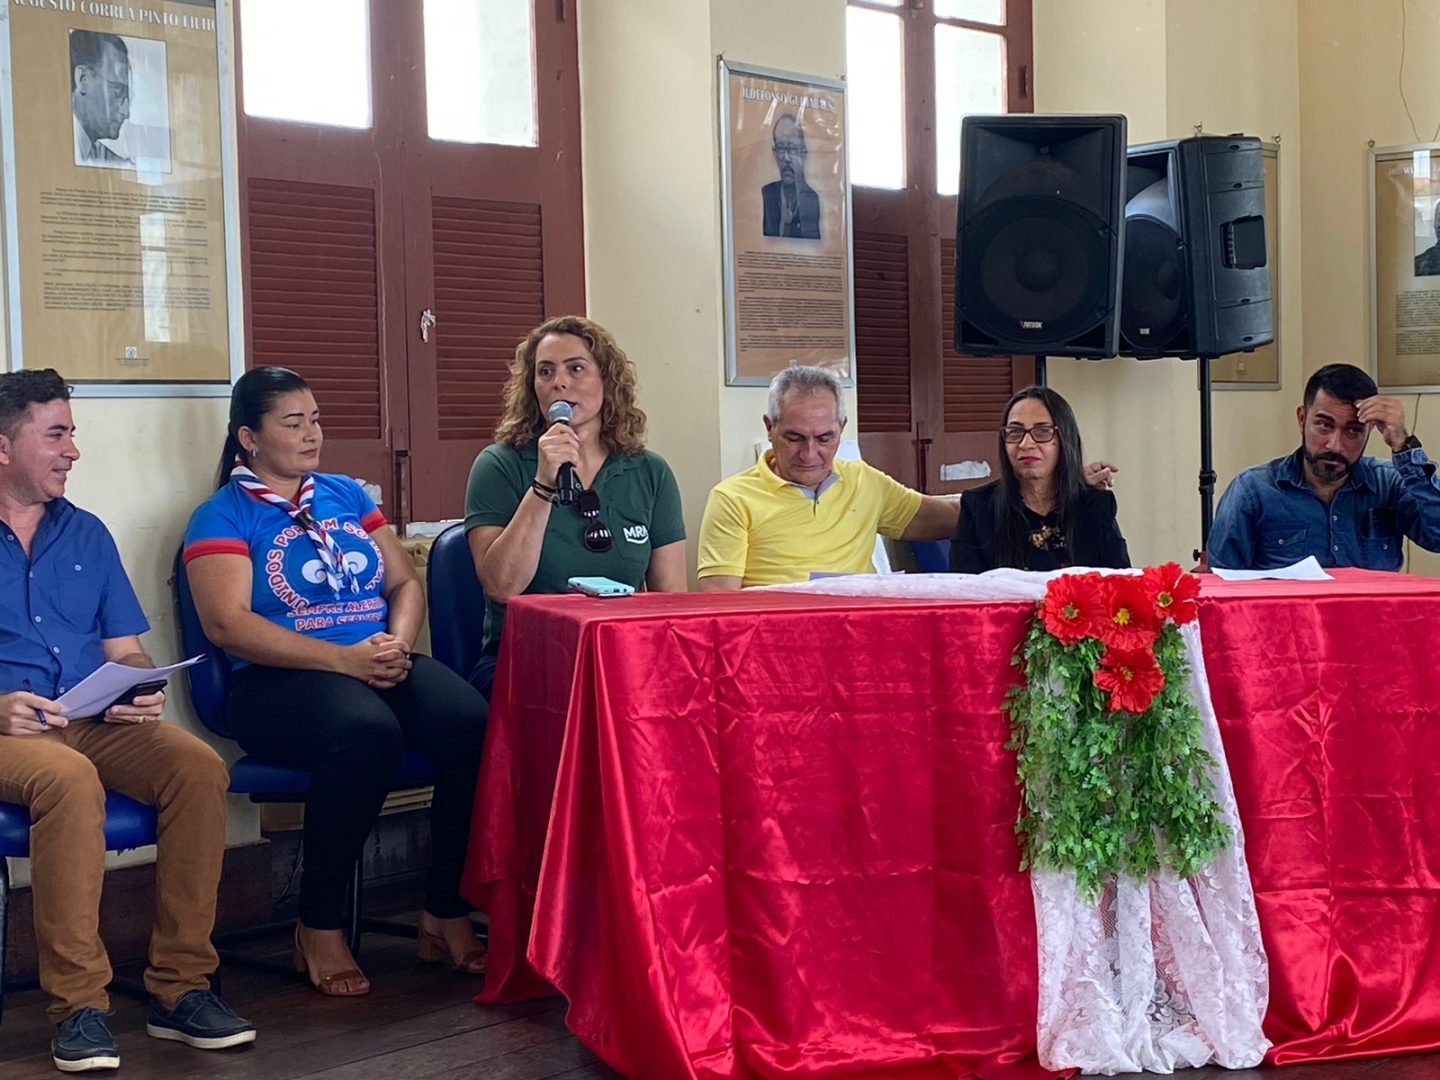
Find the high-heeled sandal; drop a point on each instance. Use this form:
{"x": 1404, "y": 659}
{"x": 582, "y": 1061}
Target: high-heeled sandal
{"x": 431, "y": 948}
{"x": 328, "y": 984}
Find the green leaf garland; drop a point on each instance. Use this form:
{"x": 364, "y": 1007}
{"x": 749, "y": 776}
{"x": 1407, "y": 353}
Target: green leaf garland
{"x": 1108, "y": 791}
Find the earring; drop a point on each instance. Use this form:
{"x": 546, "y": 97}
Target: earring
{"x": 255, "y": 453}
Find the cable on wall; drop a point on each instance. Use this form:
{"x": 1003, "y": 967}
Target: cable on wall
{"x": 1401, "y": 77}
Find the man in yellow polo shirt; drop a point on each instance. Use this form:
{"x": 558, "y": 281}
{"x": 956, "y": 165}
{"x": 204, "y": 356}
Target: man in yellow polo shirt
{"x": 798, "y": 510}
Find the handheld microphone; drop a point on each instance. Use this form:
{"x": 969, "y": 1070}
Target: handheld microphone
{"x": 565, "y": 481}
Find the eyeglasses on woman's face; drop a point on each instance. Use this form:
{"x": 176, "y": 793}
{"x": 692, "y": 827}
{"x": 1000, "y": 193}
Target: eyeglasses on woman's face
{"x": 1015, "y": 433}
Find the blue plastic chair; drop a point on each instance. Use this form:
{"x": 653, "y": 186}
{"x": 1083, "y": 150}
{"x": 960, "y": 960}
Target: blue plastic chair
{"x": 456, "y": 601}
{"x": 128, "y": 824}
{"x": 931, "y": 556}
{"x": 267, "y": 782}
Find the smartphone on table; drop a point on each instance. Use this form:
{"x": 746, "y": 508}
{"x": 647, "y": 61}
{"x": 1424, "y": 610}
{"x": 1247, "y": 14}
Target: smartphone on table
{"x": 599, "y": 586}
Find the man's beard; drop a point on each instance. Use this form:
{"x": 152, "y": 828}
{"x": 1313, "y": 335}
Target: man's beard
{"x": 1328, "y": 468}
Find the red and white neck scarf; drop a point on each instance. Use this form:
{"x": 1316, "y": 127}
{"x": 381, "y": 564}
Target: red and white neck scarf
{"x": 332, "y": 558}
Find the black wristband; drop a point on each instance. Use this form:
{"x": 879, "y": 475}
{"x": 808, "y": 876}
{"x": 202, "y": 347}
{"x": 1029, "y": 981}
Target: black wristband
{"x": 1410, "y": 443}
{"x": 542, "y": 492}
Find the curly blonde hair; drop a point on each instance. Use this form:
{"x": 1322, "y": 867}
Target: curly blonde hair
{"x": 622, "y": 422}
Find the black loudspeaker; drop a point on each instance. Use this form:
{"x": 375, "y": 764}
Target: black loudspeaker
{"x": 1038, "y": 242}
{"x": 1196, "y": 283}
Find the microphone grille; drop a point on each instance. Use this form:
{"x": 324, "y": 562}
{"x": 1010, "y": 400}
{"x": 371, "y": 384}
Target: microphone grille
{"x": 560, "y": 412}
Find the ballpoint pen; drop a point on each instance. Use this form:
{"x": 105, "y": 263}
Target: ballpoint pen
{"x": 39, "y": 713}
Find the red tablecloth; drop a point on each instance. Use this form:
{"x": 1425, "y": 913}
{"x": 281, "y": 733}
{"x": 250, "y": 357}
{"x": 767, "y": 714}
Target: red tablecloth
{"x": 1329, "y": 704}
{"x": 770, "y": 835}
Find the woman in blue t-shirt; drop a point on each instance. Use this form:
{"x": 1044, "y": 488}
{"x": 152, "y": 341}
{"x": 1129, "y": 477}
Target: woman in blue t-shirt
{"x": 297, "y": 576}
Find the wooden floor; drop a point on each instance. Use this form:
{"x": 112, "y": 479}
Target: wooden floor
{"x": 419, "y": 1022}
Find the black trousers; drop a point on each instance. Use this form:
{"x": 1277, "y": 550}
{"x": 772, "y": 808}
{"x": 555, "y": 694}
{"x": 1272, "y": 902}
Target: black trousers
{"x": 482, "y": 677}
{"x": 352, "y": 737}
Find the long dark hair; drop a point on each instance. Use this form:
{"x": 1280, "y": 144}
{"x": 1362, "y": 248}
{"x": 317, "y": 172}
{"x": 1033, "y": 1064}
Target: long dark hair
{"x": 255, "y": 392}
{"x": 1012, "y": 532}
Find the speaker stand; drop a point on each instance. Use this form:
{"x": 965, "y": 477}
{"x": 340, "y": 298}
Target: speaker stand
{"x": 1040, "y": 371}
{"x": 1207, "y": 461}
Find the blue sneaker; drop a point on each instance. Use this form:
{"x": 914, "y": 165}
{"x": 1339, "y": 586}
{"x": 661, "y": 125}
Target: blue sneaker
{"x": 83, "y": 1042}
{"x": 199, "y": 1019}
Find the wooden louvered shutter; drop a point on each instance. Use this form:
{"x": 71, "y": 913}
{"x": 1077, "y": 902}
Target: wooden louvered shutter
{"x": 882, "y": 332}
{"x": 886, "y": 252}
{"x": 924, "y": 412}
{"x": 489, "y": 292}
{"x": 355, "y": 239}
{"x": 489, "y": 287}
{"x": 976, "y": 388}
{"x": 496, "y": 245}
{"x": 319, "y": 232}
{"x": 314, "y": 305}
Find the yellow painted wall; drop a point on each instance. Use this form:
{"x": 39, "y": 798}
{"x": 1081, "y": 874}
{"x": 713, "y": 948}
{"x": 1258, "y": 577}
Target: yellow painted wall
{"x": 1169, "y": 65}
{"x": 1089, "y": 56}
{"x": 653, "y": 247}
{"x": 1350, "y": 87}
{"x": 652, "y": 219}
{"x": 1233, "y": 66}
{"x": 144, "y": 465}
{"x": 806, "y": 36}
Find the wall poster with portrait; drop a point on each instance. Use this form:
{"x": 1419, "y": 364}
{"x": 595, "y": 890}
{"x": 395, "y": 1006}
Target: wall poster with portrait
{"x": 1405, "y": 268}
{"x": 1259, "y": 369}
{"x": 786, "y": 214}
{"x": 122, "y": 269}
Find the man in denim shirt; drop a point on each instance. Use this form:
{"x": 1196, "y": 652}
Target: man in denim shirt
{"x": 1326, "y": 499}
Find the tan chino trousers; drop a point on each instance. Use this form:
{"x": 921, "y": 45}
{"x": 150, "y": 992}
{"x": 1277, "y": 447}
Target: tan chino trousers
{"x": 62, "y": 775}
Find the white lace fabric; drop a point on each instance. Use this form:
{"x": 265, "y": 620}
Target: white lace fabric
{"x": 1155, "y": 974}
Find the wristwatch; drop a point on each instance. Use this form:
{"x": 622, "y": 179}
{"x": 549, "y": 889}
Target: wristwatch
{"x": 1411, "y": 443}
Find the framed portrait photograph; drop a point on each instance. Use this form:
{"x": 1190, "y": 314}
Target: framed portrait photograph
{"x": 1260, "y": 369}
{"x": 789, "y": 293}
{"x": 119, "y": 101}
{"x": 1405, "y": 268}
{"x": 121, "y": 218}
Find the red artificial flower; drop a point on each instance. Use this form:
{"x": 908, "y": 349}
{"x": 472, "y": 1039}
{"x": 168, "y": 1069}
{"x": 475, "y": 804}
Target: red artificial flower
{"x": 1132, "y": 676}
{"x": 1072, "y": 607}
{"x": 1127, "y": 619}
{"x": 1173, "y": 593}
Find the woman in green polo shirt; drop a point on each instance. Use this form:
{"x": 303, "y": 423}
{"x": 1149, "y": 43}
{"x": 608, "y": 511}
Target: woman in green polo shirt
{"x": 624, "y": 523}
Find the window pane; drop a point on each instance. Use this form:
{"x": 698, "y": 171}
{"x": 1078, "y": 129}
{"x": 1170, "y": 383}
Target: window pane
{"x": 969, "y": 78}
{"x": 307, "y": 62}
{"x": 480, "y": 71}
{"x": 875, "y": 74}
{"x": 988, "y": 11}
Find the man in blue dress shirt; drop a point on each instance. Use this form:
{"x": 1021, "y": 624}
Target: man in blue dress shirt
{"x": 1327, "y": 499}
{"x": 68, "y": 608}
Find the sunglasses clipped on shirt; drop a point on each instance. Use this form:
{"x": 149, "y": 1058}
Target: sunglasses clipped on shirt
{"x": 597, "y": 536}
{"x": 1015, "y": 433}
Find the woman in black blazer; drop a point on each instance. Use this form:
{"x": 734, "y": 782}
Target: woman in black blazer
{"x": 1039, "y": 515}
